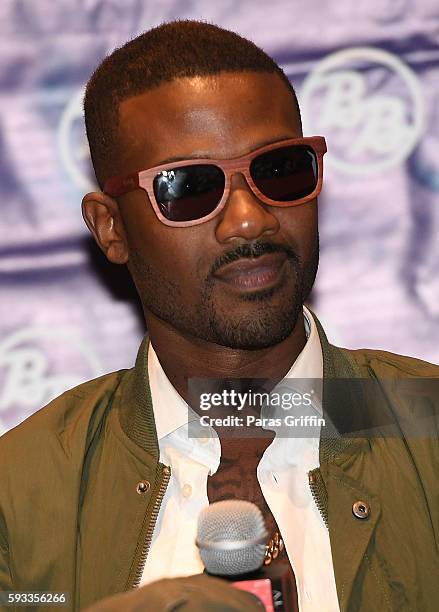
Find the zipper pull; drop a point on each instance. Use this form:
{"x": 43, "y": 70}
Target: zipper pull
{"x": 319, "y": 493}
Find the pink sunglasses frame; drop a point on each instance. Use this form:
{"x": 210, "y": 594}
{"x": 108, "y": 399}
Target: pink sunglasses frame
{"x": 119, "y": 185}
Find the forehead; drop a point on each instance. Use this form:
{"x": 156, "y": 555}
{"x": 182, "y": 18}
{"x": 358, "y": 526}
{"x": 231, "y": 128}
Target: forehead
{"x": 223, "y": 116}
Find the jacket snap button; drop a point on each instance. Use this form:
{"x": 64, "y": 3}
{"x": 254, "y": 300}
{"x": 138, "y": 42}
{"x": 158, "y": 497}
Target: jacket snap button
{"x": 361, "y": 509}
{"x": 143, "y": 486}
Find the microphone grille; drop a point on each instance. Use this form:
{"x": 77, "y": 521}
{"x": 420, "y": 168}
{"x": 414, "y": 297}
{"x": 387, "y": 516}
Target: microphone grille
{"x": 231, "y": 537}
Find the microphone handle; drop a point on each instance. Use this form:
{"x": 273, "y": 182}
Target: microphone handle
{"x": 282, "y": 583}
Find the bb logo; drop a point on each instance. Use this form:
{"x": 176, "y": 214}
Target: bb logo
{"x": 73, "y": 145}
{"x": 37, "y": 365}
{"x": 368, "y": 104}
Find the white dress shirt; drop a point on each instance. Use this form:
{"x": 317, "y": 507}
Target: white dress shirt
{"x": 282, "y": 474}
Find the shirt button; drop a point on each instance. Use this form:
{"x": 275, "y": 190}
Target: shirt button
{"x": 186, "y": 490}
{"x": 204, "y": 440}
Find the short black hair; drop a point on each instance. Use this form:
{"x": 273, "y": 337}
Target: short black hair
{"x": 182, "y": 48}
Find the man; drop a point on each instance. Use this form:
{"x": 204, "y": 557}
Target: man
{"x": 102, "y": 488}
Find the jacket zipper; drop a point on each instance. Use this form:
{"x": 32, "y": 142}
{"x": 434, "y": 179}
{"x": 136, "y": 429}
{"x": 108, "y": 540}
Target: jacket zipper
{"x": 149, "y": 533}
{"x": 317, "y": 487}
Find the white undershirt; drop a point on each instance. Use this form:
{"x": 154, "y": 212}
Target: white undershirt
{"x": 282, "y": 474}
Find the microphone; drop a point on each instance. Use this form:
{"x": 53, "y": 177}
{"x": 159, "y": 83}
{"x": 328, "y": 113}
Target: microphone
{"x": 231, "y": 538}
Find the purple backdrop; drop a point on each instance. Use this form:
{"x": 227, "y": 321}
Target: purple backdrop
{"x": 367, "y": 74}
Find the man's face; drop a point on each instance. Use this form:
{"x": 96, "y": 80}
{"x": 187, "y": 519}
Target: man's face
{"x": 204, "y": 281}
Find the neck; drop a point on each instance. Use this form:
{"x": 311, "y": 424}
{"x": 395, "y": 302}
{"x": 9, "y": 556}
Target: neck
{"x": 182, "y": 356}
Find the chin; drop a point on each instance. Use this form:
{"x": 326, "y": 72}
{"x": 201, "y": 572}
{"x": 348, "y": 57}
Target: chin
{"x": 256, "y": 332}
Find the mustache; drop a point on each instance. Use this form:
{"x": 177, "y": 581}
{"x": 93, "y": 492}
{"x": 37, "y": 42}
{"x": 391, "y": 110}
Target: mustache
{"x": 254, "y": 250}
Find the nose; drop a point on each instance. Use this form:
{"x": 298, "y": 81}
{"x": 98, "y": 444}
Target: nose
{"x": 244, "y": 216}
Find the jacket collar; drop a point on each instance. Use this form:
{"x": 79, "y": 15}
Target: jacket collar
{"x": 136, "y": 413}
{"x": 337, "y": 398}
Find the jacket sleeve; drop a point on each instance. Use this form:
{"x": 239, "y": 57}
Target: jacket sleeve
{"x": 5, "y": 574}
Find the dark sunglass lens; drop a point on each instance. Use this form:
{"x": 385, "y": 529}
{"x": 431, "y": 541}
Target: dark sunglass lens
{"x": 285, "y": 174}
{"x": 189, "y": 192}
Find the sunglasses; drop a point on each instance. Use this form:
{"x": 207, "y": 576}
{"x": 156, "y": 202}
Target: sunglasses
{"x": 185, "y": 193}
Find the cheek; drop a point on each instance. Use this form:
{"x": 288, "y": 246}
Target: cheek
{"x": 173, "y": 253}
{"x": 300, "y": 226}
{"x": 145, "y": 234}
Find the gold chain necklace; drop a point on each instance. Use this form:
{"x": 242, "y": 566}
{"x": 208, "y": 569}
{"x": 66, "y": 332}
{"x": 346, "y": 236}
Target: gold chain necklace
{"x": 273, "y": 548}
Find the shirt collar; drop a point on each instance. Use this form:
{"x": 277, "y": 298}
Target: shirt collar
{"x": 309, "y": 363}
{"x": 170, "y": 409}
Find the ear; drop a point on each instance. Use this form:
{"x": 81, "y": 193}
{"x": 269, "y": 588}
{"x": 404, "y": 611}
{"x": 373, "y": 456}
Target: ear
{"x": 102, "y": 217}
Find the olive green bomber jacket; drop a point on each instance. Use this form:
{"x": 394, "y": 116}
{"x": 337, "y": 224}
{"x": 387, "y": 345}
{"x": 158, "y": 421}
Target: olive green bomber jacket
{"x": 74, "y": 517}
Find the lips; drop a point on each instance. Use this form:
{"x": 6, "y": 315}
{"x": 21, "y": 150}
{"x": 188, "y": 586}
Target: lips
{"x": 253, "y": 274}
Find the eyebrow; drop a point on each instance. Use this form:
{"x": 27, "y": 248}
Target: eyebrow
{"x": 178, "y": 158}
